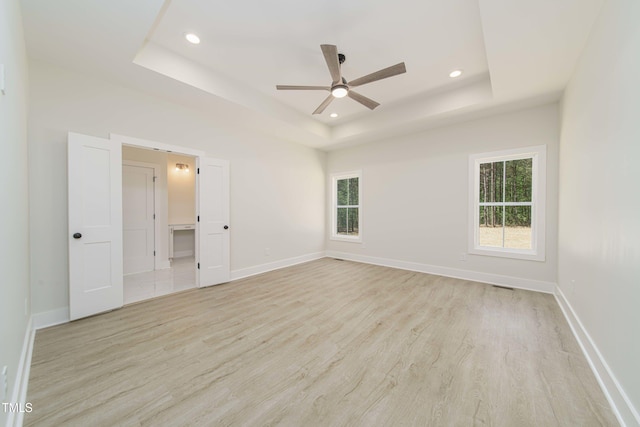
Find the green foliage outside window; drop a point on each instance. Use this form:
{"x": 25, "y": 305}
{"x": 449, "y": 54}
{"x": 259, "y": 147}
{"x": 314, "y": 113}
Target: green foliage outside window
{"x": 347, "y": 220}
{"x": 506, "y": 182}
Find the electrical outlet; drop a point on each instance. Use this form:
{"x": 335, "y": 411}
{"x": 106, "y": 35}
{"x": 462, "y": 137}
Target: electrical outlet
{"x": 463, "y": 256}
{"x": 4, "y": 384}
{"x": 267, "y": 251}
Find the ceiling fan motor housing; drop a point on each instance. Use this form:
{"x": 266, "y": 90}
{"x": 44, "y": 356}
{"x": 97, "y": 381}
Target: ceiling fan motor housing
{"x": 339, "y": 90}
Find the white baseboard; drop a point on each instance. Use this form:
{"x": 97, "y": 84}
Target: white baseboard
{"x": 50, "y": 318}
{"x": 494, "y": 279}
{"x": 276, "y": 265}
{"x": 19, "y": 393}
{"x": 620, "y": 403}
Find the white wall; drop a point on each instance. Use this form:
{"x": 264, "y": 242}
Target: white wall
{"x": 14, "y": 190}
{"x": 182, "y": 190}
{"x": 182, "y": 203}
{"x": 415, "y": 196}
{"x": 277, "y": 188}
{"x": 599, "y": 213}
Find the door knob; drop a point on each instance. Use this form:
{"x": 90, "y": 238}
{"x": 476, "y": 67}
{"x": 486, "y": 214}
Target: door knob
{"x": 77, "y": 235}
{"x": 226, "y": 227}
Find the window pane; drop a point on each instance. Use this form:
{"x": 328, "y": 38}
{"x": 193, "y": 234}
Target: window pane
{"x": 518, "y": 182}
{"x": 490, "y": 216}
{"x": 490, "y": 182}
{"x": 517, "y": 216}
{"x": 353, "y": 191}
{"x": 490, "y": 226}
{"x": 347, "y": 222}
{"x": 341, "y": 222}
{"x": 483, "y": 181}
{"x": 517, "y": 231}
{"x": 343, "y": 192}
{"x": 353, "y": 228}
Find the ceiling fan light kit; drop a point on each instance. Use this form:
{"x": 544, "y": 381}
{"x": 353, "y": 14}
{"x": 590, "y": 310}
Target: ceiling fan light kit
{"x": 339, "y": 91}
{"x": 340, "y": 87}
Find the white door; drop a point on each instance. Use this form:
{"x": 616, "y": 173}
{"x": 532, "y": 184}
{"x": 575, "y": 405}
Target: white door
{"x": 95, "y": 225}
{"x": 213, "y": 222}
{"x": 138, "y": 224}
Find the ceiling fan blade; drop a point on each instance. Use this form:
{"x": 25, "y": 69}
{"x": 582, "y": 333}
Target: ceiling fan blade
{"x": 379, "y": 75}
{"x": 331, "y": 57}
{"x": 290, "y": 87}
{"x": 324, "y": 105}
{"x": 369, "y": 103}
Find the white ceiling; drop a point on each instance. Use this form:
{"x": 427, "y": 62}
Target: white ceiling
{"x": 513, "y": 53}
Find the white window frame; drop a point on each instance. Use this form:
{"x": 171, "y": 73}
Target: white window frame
{"x": 335, "y": 177}
{"x": 538, "y": 154}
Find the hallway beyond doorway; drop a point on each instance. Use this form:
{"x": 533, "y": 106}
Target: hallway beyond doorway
{"x": 151, "y": 284}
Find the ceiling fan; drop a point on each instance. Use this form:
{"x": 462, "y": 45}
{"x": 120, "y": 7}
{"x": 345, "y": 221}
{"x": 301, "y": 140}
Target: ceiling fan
{"x": 340, "y": 87}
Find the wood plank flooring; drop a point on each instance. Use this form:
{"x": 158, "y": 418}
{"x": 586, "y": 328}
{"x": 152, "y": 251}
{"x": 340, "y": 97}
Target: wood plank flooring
{"x": 326, "y": 343}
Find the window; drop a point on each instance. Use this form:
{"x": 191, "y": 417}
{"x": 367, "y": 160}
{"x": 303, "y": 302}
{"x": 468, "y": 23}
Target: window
{"x": 507, "y": 203}
{"x": 346, "y": 210}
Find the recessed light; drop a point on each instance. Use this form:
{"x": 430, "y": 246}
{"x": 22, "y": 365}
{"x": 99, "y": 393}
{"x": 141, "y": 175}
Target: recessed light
{"x": 334, "y": 115}
{"x": 455, "y": 73}
{"x": 192, "y": 38}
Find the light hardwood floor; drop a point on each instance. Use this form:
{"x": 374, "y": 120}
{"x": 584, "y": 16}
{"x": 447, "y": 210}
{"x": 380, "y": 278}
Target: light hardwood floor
{"x": 326, "y": 343}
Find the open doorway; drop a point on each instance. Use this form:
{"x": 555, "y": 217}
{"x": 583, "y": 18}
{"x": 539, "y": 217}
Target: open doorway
{"x": 159, "y": 223}
{"x": 95, "y": 221}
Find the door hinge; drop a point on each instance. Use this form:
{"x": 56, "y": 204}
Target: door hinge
{"x": 154, "y": 216}
{"x": 154, "y": 253}
{"x": 198, "y": 266}
{"x": 154, "y": 178}
{"x": 198, "y": 218}
{"x": 198, "y": 171}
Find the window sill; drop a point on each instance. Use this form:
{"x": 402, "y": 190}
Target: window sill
{"x": 508, "y": 253}
{"x": 352, "y": 239}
